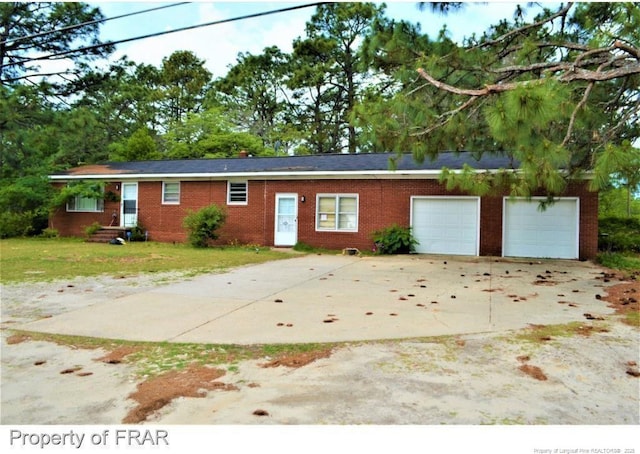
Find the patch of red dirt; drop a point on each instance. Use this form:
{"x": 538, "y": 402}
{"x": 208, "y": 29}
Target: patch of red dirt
{"x": 623, "y": 298}
{"x": 298, "y": 359}
{"x": 17, "y": 339}
{"x": 533, "y": 371}
{"x": 157, "y": 392}
{"x": 116, "y": 356}
{"x": 586, "y": 330}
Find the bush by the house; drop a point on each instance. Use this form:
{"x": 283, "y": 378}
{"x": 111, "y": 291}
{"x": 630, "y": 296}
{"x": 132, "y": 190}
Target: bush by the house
{"x": 91, "y": 229}
{"x": 202, "y": 225}
{"x": 619, "y": 234}
{"x": 394, "y": 240}
{"x": 16, "y": 224}
{"x": 24, "y": 204}
{"x": 303, "y": 247}
{"x": 138, "y": 233}
{"x": 50, "y": 233}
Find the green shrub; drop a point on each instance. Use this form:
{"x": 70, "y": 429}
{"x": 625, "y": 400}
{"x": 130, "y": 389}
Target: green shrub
{"x": 16, "y": 224}
{"x": 93, "y": 228}
{"x": 138, "y": 233}
{"x": 619, "y": 261}
{"x": 303, "y": 247}
{"x": 50, "y": 233}
{"x": 24, "y": 203}
{"x": 619, "y": 234}
{"x": 394, "y": 240}
{"x": 202, "y": 225}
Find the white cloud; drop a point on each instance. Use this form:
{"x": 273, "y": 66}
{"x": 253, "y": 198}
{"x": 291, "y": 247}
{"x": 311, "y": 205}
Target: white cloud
{"x": 217, "y": 44}
{"x": 220, "y": 44}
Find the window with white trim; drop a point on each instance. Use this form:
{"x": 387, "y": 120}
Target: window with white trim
{"x": 85, "y": 204}
{"x": 237, "y": 192}
{"x": 337, "y": 212}
{"x": 171, "y": 192}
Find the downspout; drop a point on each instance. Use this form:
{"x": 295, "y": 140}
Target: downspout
{"x": 264, "y": 212}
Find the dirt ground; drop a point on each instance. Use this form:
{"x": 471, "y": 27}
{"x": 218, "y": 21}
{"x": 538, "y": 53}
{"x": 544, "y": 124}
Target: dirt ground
{"x": 587, "y": 374}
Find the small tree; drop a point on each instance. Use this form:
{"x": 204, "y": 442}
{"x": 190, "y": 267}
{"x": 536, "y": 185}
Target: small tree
{"x": 203, "y": 224}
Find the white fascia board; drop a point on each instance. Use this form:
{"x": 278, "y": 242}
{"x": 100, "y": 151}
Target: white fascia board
{"x": 430, "y": 174}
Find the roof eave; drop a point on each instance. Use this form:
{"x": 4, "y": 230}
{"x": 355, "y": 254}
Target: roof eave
{"x": 362, "y": 174}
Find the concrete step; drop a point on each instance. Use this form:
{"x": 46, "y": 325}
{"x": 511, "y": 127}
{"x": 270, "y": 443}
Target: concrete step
{"x": 106, "y": 234}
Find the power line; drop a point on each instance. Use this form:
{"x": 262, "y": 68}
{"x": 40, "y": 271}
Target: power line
{"x": 84, "y": 24}
{"x": 153, "y": 35}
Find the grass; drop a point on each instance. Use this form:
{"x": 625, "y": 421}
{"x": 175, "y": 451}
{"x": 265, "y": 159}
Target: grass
{"x": 39, "y": 259}
{"x": 306, "y": 248}
{"x": 632, "y": 318}
{"x": 152, "y": 359}
{"x": 628, "y": 261}
{"x": 542, "y": 333}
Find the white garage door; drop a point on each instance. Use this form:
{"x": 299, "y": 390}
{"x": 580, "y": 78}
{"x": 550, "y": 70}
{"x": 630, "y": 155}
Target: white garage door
{"x": 446, "y": 225}
{"x": 530, "y": 232}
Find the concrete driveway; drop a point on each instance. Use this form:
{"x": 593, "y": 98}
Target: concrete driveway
{"x": 331, "y": 298}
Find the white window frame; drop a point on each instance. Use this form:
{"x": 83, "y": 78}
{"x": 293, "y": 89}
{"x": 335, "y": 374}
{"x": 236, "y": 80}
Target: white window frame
{"x": 236, "y": 192}
{"x": 98, "y": 205}
{"x": 336, "y": 227}
{"x": 166, "y": 201}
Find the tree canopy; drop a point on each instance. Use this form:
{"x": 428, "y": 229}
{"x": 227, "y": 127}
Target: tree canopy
{"x": 556, "y": 88}
{"x": 558, "y": 92}
{"x": 34, "y": 32}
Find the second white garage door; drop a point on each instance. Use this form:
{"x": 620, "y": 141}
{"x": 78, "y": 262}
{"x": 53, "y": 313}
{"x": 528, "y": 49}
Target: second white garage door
{"x": 530, "y": 232}
{"x": 446, "y": 225}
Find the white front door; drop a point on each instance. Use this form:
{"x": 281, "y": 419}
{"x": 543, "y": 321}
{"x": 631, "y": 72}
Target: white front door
{"x": 129, "y": 205}
{"x": 286, "y": 231}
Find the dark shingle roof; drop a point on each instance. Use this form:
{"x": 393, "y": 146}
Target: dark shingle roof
{"x": 327, "y": 163}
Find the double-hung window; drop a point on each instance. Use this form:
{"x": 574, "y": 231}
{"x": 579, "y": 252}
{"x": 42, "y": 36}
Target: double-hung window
{"x": 337, "y": 212}
{"x": 171, "y": 192}
{"x": 85, "y": 204}
{"x": 237, "y": 192}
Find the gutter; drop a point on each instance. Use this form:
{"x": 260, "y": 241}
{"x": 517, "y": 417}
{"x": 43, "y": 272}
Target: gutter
{"x": 294, "y": 175}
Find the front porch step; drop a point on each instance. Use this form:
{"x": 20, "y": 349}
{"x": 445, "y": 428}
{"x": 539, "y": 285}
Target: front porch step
{"x": 106, "y": 234}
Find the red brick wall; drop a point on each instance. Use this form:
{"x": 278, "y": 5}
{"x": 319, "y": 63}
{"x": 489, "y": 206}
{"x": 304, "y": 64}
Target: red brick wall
{"x": 381, "y": 204}
{"x": 74, "y": 224}
{"x": 588, "y": 220}
{"x": 491, "y": 226}
{"x": 245, "y": 223}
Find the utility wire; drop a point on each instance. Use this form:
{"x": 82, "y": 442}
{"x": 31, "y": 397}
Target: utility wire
{"x": 84, "y": 24}
{"x": 153, "y": 35}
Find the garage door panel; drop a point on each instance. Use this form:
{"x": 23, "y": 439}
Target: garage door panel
{"x": 446, "y": 225}
{"x": 529, "y": 232}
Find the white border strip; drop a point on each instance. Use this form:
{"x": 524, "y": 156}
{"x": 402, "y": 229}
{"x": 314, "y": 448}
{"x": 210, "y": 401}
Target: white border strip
{"x": 432, "y": 173}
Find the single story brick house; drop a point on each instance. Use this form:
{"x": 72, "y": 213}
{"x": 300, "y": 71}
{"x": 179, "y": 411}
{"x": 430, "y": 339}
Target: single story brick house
{"x": 334, "y": 201}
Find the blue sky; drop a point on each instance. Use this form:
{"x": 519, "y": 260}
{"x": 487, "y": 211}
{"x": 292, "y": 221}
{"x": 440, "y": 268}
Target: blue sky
{"x": 219, "y": 45}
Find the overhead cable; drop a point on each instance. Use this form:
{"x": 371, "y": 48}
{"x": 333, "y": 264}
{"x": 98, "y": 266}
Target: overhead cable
{"x": 84, "y": 24}
{"x": 153, "y": 35}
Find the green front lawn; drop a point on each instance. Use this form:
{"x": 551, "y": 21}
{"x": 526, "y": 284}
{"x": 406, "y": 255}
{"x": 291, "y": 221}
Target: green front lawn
{"x": 624, "y": 261}
{"x": 36, "y": 259}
